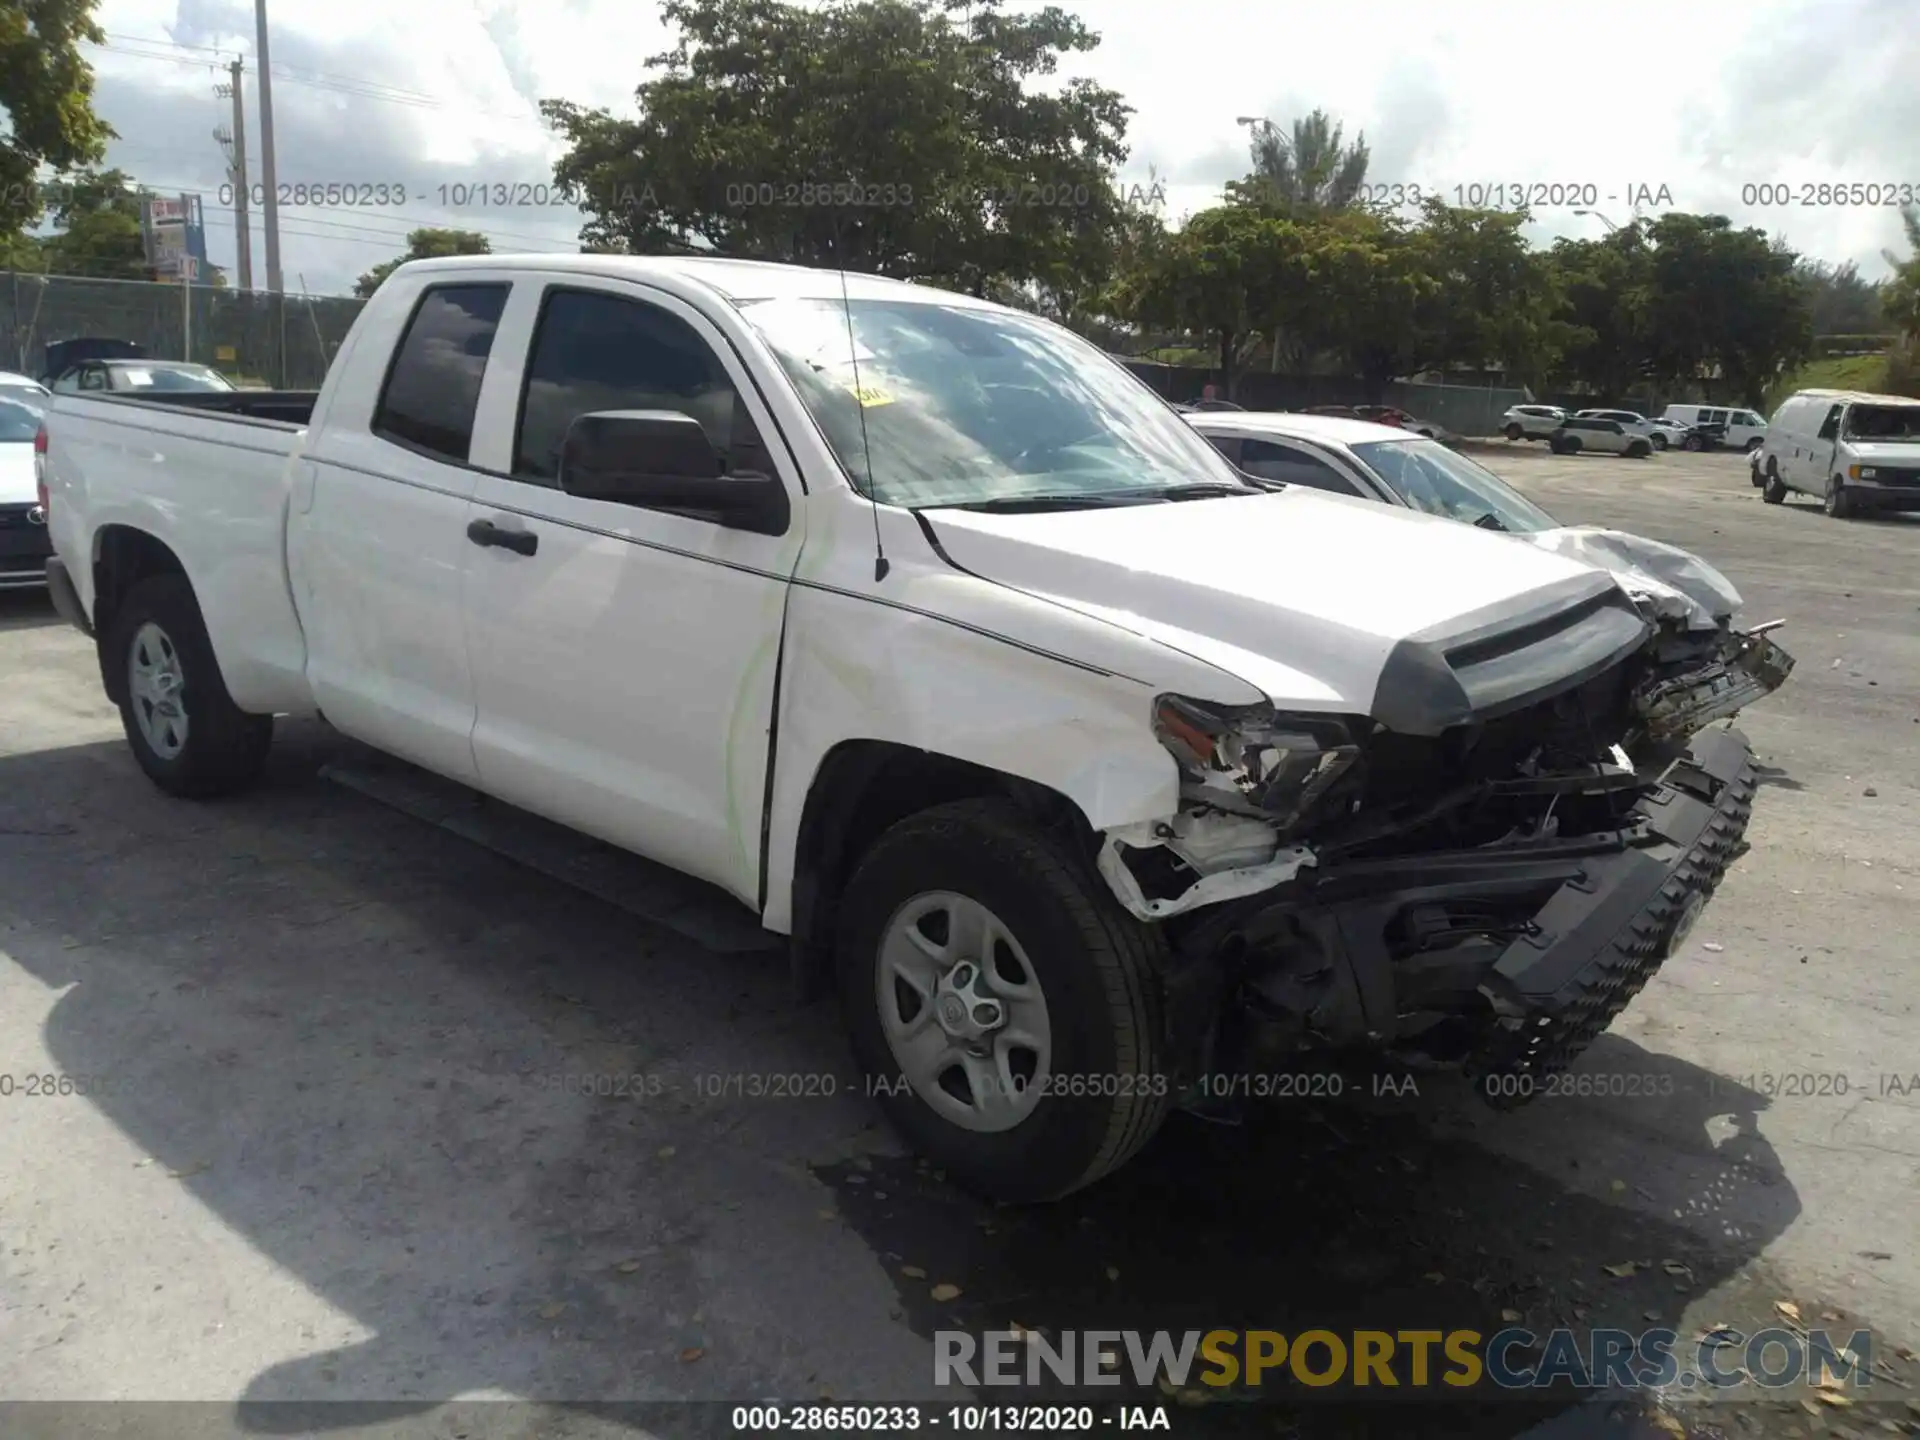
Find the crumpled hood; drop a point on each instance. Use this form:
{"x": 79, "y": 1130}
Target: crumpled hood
{"x": 1672, "y": 582}
{"x": 1301, "y": 593}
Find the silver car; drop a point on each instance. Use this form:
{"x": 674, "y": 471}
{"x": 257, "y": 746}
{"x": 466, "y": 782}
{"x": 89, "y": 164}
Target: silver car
{"x": 1531, "y": 422}
{"x": 1658, "y": 434}
{"x": 1609, "y": 437}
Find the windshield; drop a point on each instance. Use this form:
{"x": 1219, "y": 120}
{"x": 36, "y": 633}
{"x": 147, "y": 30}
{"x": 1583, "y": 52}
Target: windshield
{"x": 1430, "y": 477}
{"x": 1883, "y": 422}
{"x": 172, "y": 377}
{"x": 959, "y": 406}
{"x": 19, "y": 421}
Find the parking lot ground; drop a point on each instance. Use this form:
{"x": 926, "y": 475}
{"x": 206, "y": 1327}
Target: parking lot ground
{"x": 326, "y": 1152}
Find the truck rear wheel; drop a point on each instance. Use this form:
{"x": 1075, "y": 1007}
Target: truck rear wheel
{"x": 185, "y": 730}
{"x": 1005, "y": 1011}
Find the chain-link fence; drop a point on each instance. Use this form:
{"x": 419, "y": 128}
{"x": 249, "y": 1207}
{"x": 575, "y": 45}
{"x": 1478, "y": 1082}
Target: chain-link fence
{"x": 1464, "y": 409}
{"x": 282, "y": 341}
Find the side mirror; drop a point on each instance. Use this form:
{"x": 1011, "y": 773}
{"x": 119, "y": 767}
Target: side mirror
{"x": 662, "y": 460}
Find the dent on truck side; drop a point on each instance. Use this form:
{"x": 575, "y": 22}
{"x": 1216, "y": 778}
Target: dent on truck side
{"x": 958, "y": 668}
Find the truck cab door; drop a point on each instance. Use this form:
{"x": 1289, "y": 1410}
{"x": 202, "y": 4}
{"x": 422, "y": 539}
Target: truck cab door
{"x": 378, "y": 541}
{"x": 625, "y": 657}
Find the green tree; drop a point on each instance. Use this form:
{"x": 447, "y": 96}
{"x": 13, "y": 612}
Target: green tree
{"x": 1900, "y": 300}
{"x": 1839, "y": 301}
{"x": 1490, "y": 297}
{"x": 1371, "y": 286}
{"x": 46, "y": 89}
{"x": 96, "y": 218}
{"x": 1225, "y": 272}
{"x": 424, "y": 244}
{"x": 1306, "y": 170}
{"x": 1724, "y": 299}
{"x": 915, "y": 138}
{"x": 1606, "y": 311}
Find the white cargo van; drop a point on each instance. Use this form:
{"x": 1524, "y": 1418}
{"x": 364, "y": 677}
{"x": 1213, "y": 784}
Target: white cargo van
{"x": 1745, "y": 430}
{"x": 1856, "y": 451}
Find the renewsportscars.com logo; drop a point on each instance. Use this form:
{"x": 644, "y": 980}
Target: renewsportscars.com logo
{"x": 1423, "y": 1360}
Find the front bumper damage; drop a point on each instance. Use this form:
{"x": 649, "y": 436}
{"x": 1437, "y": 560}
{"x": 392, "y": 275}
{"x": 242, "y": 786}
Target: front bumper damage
{"x": 1501, "y": 961}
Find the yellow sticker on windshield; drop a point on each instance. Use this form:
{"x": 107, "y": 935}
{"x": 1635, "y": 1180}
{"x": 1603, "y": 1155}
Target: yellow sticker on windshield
{"x": 870, "y": 396}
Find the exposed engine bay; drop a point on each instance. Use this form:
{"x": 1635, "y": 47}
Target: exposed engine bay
{"x": 1484, "y": 898}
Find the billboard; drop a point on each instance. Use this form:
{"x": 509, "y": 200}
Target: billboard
{"x": 176, "y": 237}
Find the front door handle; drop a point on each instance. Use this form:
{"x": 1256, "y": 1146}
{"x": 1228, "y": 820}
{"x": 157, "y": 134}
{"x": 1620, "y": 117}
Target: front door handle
{"x": 485, "y": 533}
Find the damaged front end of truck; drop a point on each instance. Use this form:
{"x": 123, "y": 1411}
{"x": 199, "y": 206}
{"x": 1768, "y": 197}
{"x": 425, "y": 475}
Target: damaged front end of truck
{"x": 1477, "y": 875}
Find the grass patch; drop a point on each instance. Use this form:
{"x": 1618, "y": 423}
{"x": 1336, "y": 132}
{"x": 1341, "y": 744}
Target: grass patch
{"x": 1834, "y": 372}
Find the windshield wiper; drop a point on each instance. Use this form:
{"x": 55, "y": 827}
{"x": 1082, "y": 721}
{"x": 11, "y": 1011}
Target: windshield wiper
{"x": 1205, "y": 490}
{"x": 1054, "y": 500}
{"x": 1489, "y": 521}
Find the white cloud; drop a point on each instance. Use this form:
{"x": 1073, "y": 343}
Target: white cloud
{"x": 1702, "y": 99}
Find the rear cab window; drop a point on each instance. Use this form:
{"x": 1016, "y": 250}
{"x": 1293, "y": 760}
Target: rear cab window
{"x": 432, "y": 389}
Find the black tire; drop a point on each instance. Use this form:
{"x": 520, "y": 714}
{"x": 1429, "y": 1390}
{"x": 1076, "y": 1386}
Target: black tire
{"x": 1514, "y": 432}
{"x": 1659, "y": 441}
{"x": 1639, "y": 450}
{"x": 1694, "y": 443}
{"x": 1099, "y": 969}
{"x": 1837, "y": 503}
{"x": 1570, "y": 445}
{"x": 225, "y": 748}
{"x": 1776, "y": 488}
{"x": 1754, "y": 444}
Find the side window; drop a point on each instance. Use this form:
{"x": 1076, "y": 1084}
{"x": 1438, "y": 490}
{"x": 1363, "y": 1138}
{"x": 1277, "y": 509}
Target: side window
{"x": 433, "y": 387}
{"x": 1714, "y": 417}
{"x": 1227, "y": 445}
{"x": 93, "y": 378}
{"x": 1282, "y": 462}
{"x": 1745, "y": 417}
{"x": 594, "y": 351}
{"x": 1830, "y": 427}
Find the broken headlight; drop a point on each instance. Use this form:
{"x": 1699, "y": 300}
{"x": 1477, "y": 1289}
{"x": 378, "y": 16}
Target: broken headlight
{"x": 1253, "y": 761}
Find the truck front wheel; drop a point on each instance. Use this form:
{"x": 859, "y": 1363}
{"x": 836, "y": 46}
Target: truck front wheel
{"x": 1005, "y": 1011}
{"x": 185, "y": 730}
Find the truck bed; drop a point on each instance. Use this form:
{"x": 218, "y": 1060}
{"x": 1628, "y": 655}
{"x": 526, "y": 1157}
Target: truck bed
{"x": 220, "y": 457}
{"x": 283, "y": 407}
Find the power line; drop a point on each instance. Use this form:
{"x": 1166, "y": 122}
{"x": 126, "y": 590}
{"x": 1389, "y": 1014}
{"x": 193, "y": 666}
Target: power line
{"x": 319, "y": 80}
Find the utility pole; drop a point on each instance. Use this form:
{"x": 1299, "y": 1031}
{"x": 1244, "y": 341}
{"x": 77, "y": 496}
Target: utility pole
{"x": 235, "y": 144}
{"x": 269, "y": 210}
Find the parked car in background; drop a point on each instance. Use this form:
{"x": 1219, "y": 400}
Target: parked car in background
{"x": 1578, "y": 432}
{"x": 61, "y": 356}
{"x": 1633, "y": 422}
{"x": 1531, "y": 422}
{"x": 15, "y": 386}
{"x": 1742, "y": 429}
{"x": 1400, "y": 419}
{"x": 25, "y": 541}
{"x": 1675, "y": 433}
{"x": 134, "y": 376}
{"x": 1856, "y": 451}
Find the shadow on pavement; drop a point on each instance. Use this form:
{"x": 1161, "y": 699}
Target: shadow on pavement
{"x": 339, "y": 1031}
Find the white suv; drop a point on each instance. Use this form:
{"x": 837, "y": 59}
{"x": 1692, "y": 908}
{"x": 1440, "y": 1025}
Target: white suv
{"x": 1633, "y": 423}
{"x": 1531, "y": 422}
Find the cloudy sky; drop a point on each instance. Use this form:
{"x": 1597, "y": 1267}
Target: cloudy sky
{"x": 1700, "y": 101}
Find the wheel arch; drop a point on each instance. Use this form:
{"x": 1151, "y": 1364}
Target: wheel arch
{"x": 862, "y": 788}
{"x": 123, "y": 556}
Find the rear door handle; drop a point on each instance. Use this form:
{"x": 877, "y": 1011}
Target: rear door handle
{"x": 485, "y": 533}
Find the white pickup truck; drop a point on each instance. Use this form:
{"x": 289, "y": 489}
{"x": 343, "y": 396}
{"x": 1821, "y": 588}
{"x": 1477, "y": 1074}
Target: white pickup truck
{"x": 1100, "y": 777}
